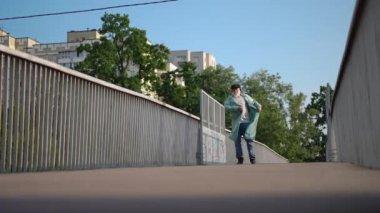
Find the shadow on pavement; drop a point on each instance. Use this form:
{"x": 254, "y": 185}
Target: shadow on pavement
{"x": 249, "y": 203}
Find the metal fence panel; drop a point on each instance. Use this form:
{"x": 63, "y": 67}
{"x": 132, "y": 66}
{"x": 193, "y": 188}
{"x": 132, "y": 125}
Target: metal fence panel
{"x": 52, "y": 118}
{"x": 213, "y": 144}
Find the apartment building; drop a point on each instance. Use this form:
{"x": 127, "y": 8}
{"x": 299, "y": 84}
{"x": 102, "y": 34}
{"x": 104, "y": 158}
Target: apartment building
{"x": 78, "y": 36}
{"x": 201, "y": 59}
{"x": 20, "y": 44}
{"x": 65, "y": 53}
{"x": 2, "y": 32}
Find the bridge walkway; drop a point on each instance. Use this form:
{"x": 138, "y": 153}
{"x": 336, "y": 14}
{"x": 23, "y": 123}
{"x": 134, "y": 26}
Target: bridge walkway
{"x": 304, "y": 187}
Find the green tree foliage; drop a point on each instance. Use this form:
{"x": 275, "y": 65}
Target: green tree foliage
{"x": 302, "y": 130}
{"x": 217, "y": 81}
{"x": 214, "y": 81}
{"x": 189, "y": 75}
{"x": 317, "y": 111}
{"x": 123, "y": 56}
{"x": 170, "y": 91}
{"x": 271, "y": 93}
{"x": 284, "y": 124}
{"x": 184, "y": 97}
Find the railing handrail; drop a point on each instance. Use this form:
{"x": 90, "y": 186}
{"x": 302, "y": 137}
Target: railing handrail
{"x": 275, "y": 153}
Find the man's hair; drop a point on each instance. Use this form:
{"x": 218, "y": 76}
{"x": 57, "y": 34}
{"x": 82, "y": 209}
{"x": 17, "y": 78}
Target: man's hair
{"x": 235, "y": 86}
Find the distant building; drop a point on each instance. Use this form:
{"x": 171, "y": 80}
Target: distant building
{"x": 78, "y": 36}
{"x": 7, "y": 40}
{"x": 20, "y": 44}
{"x": 23, "y": 44}
{"x": 201, "y": 59}
{"x": 65, "y": 53}
{"x": 2, "y": 32}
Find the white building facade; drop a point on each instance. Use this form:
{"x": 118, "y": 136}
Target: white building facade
{"x": 201, "y": 59}
{"x": 65, "y": 53}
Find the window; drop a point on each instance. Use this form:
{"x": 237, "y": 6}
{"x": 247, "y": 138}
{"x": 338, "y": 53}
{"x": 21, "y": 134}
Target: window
{"x": 70, "y": 54}
{"x": 195, "y": 59}
{"x": 181, "y": 58}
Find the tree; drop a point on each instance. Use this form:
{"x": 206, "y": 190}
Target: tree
{"x": 271, "y": 93}
{"x": 184, "y": 97}
{"x": 317, "y": 111}
{"x": 189, "y": 75}
{"x": 170, "y": 91}
{"x": 123, "y": 56}
{"x": 284, "y": 124}
{"x": 302, "y": 131}
{"x": 216, "y": 82}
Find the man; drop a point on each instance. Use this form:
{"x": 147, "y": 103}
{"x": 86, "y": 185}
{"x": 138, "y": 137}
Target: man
{"x": 245, "y": 114}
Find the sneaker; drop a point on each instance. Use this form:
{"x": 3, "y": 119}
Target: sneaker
{"x": 253, "y": 161}
{"x": 240, "y": 160}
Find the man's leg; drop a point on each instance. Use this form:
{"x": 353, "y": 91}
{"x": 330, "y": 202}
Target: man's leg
{"x": 238, "y": 149}
{"x": 251, "y": 151}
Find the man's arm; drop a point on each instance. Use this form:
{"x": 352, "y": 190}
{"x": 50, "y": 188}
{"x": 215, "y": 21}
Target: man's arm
{"x": 230, "y": 105}
{"x": 257, "y": 104}
{"x": 253, "y": 102}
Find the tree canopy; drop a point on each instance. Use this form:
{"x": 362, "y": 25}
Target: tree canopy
{"x": 317, "y": 111}
{"x": 124, "y": 56}
{"x": 286, "y": 125}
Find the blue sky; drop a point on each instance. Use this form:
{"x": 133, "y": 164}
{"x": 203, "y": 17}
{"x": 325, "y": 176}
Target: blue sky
{"x": 302, "y": 40}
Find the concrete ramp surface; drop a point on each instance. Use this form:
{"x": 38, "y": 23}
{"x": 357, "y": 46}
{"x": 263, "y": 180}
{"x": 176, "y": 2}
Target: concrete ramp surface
{"x": 313, "y": 187}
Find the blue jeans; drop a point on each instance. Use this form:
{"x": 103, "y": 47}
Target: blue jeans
{"x": 239, "y": 151}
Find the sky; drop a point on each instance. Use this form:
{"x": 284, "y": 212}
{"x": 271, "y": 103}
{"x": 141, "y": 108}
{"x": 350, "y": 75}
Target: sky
{"x": 301, "y": 40}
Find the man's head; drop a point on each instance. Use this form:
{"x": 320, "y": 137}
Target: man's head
{"x": 235, "y": 89}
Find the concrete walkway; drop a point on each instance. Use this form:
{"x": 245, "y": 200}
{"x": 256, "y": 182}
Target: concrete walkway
{"x": 317, "y": 187}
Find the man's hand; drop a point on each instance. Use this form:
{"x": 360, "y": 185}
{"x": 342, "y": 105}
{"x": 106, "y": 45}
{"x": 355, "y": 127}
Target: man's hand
{"x": 260, "y": 108}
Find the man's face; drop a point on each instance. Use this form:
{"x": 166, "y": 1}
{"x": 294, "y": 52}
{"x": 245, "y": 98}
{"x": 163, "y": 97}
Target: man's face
{"x": 236, "y": 92}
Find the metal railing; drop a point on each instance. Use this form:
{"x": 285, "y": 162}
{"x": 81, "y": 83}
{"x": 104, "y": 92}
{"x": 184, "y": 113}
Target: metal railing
{"x": 53, "y": 118}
